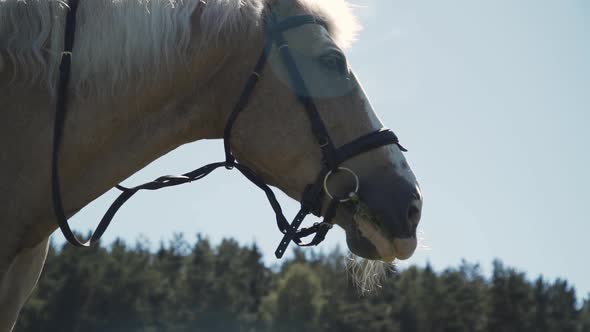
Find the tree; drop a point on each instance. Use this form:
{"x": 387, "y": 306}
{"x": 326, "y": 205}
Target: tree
{"x": 296, "y": 303}
{"x": 541, "y": 308}
{"x": 462, "y": 300}
{"x": 562, "y": 313}
{"x": 430, "y": 296}
{"x": 200, "y": 278}
{"x": 584, "y": 316}
{"x": 407, "y": 314}
{"x": 510, "y": 300}
{"x": 202, "y": 287}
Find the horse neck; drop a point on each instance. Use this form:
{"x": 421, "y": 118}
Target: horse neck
{"x": 108, "y": 139}
{"x": 188, "y": 106}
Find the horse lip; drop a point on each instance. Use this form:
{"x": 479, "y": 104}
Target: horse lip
{"x": 389, "y": 259}
{"x": 405, "y": 247}
{"x": 384, "y": 246}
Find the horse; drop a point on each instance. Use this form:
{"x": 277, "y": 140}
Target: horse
{"x": 150, "y": 75}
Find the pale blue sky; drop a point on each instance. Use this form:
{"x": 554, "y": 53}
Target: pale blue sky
{"x": 492, "y": 98}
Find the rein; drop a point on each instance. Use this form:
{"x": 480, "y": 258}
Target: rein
{"x": 311, "y": 201}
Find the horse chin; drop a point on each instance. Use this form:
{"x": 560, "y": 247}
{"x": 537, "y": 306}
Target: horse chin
{"x": 365, "y": 239}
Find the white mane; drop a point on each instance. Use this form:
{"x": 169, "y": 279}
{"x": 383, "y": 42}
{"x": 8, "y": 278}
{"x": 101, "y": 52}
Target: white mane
{"x": 119, "y": 39}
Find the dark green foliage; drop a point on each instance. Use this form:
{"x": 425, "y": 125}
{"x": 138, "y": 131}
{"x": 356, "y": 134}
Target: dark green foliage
{"x": 200, "y": 287}
{"x": 511, "y": 301}
{"x": 298, "y": 284}
{"x": 562, "y": 314}
{"x": 584, "y": 317}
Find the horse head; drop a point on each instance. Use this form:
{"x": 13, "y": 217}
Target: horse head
{"x": 275, "y": 137}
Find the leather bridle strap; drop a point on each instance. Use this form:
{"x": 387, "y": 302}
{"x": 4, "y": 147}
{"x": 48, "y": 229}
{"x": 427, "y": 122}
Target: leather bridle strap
{"x": 60, "y": 116}
{"x": 243, "y": 101}
{"x": 332, "y": 157}
{"x": 318, "y": 128}
{"x": 312, "y": 198}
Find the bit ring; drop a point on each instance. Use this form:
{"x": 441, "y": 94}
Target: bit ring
{"x": 352, "y": 193}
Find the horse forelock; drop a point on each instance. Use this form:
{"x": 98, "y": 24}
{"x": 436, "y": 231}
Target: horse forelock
{"x": 145, "y": 39}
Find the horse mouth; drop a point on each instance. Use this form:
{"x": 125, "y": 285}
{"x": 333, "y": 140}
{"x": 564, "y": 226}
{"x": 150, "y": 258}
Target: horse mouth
{"x": 366, "y": 236}
{"x": 371, "y": 231}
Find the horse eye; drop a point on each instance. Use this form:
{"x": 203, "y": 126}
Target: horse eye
{"x": 334, "y": 61}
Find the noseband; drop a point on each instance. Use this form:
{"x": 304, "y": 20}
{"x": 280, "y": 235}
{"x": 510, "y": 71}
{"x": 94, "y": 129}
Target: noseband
{"x": 313, "y": 195}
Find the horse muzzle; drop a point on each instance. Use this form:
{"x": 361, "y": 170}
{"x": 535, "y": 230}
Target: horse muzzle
{"x": 383, "y": 222}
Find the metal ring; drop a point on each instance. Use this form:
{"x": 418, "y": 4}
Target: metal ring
{"x": 356, "y": 184}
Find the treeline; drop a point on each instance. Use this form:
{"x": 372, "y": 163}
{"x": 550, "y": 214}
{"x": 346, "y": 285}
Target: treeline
{"x": 200, "y": 287}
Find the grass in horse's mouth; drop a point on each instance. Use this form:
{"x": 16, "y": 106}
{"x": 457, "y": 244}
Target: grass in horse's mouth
{"x": 368, "y": 274}
{"x": 369, "y": 225}
{"x": 363, "y": 212}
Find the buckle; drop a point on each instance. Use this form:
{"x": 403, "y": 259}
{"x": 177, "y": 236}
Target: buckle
{"x": 230, "y": 162}
{"x": 323, "y": 142}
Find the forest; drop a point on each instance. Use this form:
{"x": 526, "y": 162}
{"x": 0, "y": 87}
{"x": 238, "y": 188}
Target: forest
{"x": 198, "y": 286}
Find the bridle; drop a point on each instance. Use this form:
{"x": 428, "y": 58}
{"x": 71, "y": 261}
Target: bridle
{"x": 311, "y": 201}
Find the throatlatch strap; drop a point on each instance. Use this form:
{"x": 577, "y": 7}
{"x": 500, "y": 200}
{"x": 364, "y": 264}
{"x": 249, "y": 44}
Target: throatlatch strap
{"x": 243, "y": 101}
